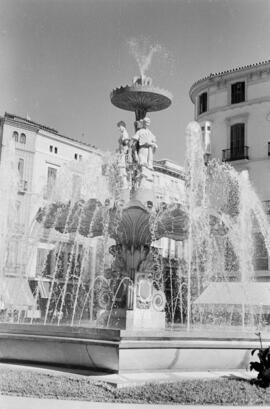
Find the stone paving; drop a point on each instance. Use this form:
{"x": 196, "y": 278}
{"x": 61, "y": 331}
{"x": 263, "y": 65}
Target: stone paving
{"x": 10, "y": 402}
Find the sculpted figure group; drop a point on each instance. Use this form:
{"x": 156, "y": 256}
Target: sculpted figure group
{"x": 141, "y": 147}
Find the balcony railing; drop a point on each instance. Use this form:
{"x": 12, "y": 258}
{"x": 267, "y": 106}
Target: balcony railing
{"x": 266, "y": 206}
{"x": 232, "y": 154}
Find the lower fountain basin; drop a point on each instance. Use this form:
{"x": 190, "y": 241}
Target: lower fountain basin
{"x": 121, "y": 350}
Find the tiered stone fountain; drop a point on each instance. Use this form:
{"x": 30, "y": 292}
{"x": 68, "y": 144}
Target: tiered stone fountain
{"x": 216, "y": 222}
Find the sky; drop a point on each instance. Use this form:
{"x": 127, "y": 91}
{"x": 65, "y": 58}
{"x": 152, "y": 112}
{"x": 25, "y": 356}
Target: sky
{"x": 60, "y": 59}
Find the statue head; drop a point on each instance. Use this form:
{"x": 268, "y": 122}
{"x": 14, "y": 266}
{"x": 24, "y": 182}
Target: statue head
{"x": 121, "y": 125}
{"x": 138, "y": 124}
{"x": 146, "y": 122}
{"x": 149, "y": 204}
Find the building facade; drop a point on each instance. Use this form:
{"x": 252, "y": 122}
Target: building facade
{"x": 233, "y": 109}
{"x": 40, "y": 153}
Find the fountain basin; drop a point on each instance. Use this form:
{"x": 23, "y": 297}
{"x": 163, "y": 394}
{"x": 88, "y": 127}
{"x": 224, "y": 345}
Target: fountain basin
{"x": 122, "y": 350}
{"x": 134, "y": 97}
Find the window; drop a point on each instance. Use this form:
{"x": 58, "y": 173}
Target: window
{"x": 44, "y": 262}
{"x": 51, "y": 178}
{"x": 75, "y": 156}
{"x": 238, "y": 92}
{"x": 237, "y": 141}
{"x": 53, "y": 149}
{"x": 268, "y": 148}
{"x": 231, "y": 260}
{"x": 12, "y": 253}
{"x": 23, "y": 138}
{"x": 21, "y": 168}
{"x": 260, "y": 253}
{"x": 15, "y": 136}
{"x": 202, "y": 103}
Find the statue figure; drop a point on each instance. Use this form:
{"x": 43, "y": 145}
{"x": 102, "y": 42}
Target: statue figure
{"x": 124, "y": 150}
{"x": 145, "y": 251}
{"x": 146, "y": 143}
{"x": 124, "y": 138}
{"x": 134, "y": 143}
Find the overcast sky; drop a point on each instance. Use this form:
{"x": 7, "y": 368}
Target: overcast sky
{"x": 60, "y": 59}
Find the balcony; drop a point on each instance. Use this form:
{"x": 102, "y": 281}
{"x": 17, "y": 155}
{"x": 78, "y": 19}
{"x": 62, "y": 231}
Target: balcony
{"x": 229, "y": 155}
{"x": 266, "y": 206}
{"x": 22, "y": 188}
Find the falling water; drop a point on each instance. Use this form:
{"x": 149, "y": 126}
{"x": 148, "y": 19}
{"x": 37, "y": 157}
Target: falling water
{"x": 9, "y": 181}
{"x": 196, "y": 201}
{"x": 143, "y": 53}
{"x": 222, "y": 210}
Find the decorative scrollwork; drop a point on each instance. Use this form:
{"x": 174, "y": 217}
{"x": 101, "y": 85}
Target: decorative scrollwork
{"x": 159, "y": 301}
{"x": 104, "y": 299}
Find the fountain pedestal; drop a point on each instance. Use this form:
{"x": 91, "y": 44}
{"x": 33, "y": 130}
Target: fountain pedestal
{"x": 139, "y": 319}
{"x": 148, "y": 306}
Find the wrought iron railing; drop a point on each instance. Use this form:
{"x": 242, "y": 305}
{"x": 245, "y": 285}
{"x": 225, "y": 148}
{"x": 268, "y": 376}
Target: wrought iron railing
{"x": 232, "y": 154}
{"x": 266, "y": 205}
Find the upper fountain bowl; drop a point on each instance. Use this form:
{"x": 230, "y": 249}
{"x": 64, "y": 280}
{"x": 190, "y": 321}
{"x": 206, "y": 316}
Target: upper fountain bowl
{"x": 141, "y": 95}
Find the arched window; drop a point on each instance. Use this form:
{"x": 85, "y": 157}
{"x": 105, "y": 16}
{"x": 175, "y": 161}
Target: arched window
{"x": 15, "y": 136}
{"x": 23, "y": 138}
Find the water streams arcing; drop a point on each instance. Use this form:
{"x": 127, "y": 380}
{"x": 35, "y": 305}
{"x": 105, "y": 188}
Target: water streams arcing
{"x": 80, "y": 275}
{"x": 224, "y": 215}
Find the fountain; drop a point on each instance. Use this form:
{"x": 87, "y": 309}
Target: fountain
{"x": 102, "y": 301}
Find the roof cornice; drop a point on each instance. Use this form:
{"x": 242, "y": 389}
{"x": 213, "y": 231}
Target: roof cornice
{"x": 36, "y": 127}
{"x": 228, "y": 73}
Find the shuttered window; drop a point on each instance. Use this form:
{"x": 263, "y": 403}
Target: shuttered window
{"x": 237, "y": 141}
{"x": 238, "y": 92}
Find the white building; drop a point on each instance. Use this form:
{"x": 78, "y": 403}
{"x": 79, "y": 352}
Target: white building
{"x": 233, "y": 109}
{"x": 40, "y": 153}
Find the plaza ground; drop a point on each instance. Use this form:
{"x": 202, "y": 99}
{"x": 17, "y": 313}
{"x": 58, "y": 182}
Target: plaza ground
{"x": 28, "y": 386}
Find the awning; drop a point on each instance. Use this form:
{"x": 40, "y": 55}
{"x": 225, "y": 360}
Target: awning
{"x": 44, "y": 289}
{"x": 16, "y": 293}
{"x": 236, "y": 293}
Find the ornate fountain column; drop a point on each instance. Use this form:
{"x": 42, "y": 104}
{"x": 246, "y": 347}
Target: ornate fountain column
{"x": 145, "y": 303}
